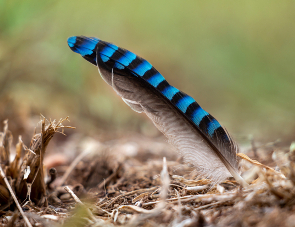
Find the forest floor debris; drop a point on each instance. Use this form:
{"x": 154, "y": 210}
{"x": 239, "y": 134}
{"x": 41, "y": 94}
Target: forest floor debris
{"x": 127, "y": 182}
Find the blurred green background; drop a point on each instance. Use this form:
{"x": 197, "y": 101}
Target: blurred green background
{"x": 236, "y": 58}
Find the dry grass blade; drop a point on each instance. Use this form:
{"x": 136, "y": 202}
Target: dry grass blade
{"x": 191, "y": 182}
{"x": 134, "y": 209}
{"x": 79, "y": 201}
{"x": 14, "y": 167}
{"x": 5, "y": 144}
{"x": 109, "y": 203}
{"x": 14, "y": 198}
{"x": 141, "y": 196}
{"x": 34, "y": 159}
{"x": 254, "y": 162}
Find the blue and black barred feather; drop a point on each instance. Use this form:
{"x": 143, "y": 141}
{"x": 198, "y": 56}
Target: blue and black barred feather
{"x": 198, "y": 136}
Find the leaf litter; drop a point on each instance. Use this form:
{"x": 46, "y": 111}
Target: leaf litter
{"x": 136, "y": 181}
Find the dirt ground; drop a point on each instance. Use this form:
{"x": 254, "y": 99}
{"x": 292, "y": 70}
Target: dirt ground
{"x": 135, "y": 181}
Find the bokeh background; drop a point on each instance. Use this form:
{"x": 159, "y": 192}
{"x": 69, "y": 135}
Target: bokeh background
{"x": 236, "y": 58}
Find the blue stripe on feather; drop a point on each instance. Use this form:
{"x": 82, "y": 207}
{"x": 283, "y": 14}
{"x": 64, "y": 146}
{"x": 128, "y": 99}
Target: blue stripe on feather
{"x": 142, "y": 68}
{"x": 156, "y": 79}
{"x": 198, "y": 115}
{"x": 104, "y": 58}
{"x": 108, "y": 52}
{"x": 83, "y": 47}
{"x": 184, "y": 102}
{"x": 127, "y": 58}
{"x": 213, "y": 125}
{"x": 118, "y": 65}
{"x": 169, "y": 92}
{"x": 72, "y": 41}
